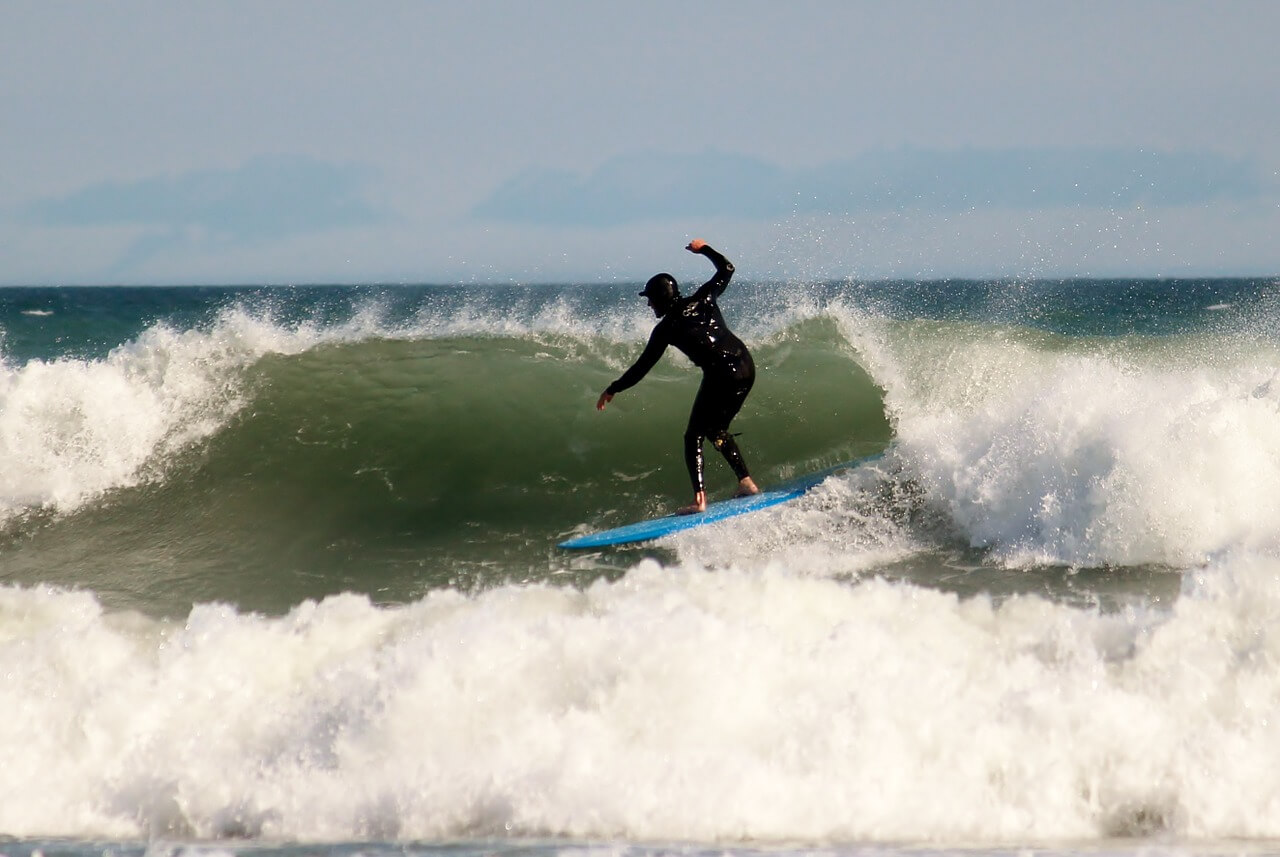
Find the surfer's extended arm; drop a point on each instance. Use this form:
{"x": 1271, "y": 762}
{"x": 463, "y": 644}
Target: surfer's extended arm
{"x": 724, "y": 268}
{"x": 646, "y": 361}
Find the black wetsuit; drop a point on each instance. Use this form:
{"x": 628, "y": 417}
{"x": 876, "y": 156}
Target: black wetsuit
{"x": 695, "y": 326}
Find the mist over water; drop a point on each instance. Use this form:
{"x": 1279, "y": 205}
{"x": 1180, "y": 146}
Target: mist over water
{"x": 279, "y": 565}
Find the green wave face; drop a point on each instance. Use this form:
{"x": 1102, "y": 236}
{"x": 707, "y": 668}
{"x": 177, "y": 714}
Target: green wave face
{"x": 396, "y": 466}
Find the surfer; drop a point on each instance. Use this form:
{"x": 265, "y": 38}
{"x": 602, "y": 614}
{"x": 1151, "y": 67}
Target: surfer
{"x": 695, "y": 326}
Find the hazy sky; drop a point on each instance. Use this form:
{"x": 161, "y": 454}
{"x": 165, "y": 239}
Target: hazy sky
{"x": 289, "y": 141}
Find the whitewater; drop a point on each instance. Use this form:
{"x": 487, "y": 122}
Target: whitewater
{"x": 278, "y": 572}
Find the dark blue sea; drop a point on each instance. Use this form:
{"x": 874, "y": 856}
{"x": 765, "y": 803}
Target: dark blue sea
{"x": 279, "y": 575}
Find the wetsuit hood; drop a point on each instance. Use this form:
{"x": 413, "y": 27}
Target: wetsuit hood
{"x": 662, "y": 292}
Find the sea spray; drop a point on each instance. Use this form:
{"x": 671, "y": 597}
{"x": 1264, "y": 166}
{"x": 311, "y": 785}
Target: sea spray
{"x": 1084, "y": 452}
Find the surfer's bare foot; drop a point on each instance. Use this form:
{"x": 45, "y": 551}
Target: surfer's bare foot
{"x": 699, "y": 504}
{"x": 747, "y": 487}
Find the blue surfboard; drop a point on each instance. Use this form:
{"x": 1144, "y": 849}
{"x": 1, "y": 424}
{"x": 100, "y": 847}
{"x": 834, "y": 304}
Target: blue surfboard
{"x": 655, "y": 528}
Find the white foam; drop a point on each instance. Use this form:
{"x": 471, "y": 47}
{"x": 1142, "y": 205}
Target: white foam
{"x": 1121, "y": 452}
{"x": 672, "y": 704}
{"x": 845, "y": 526}
{"x": 71, "y": 429}
{"x": 561, "y": 317}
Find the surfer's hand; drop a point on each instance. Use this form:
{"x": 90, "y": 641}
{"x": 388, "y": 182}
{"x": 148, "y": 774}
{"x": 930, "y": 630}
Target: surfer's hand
{"x": 696, "y": 245}
{"x": 605, "y": 398}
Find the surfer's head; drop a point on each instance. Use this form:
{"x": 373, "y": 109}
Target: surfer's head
{"x": 662, "y": 291}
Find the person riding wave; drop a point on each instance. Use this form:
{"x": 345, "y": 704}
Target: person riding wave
{"x": 695, "y": 326}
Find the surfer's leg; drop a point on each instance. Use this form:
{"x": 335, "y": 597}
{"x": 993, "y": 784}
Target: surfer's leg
{"x": 718, "y": 401}
{"x": 693, "y": 457}
{"x": 693, "y": 460}
{"x": 728, "y": 447}
{"x": 729, "y": 402}
{"x": 693, "y": 437}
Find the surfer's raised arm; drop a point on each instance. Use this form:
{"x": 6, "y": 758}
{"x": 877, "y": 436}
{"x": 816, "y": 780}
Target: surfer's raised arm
{"x": 724, "y": 268}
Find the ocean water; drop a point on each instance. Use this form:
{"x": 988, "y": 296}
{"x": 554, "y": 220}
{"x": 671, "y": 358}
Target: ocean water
{"x": 278, "y": 574}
